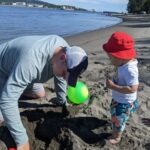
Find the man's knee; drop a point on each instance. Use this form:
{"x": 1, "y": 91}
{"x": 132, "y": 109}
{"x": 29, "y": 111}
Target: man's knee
{"x": 40, "y": 94}
{"x": 35, "y": 90}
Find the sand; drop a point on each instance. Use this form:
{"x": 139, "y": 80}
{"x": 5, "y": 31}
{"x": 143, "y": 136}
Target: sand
{"x": 87, "y": 126}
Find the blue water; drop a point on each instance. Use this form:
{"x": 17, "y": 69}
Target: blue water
{"x": 17, "y": 21}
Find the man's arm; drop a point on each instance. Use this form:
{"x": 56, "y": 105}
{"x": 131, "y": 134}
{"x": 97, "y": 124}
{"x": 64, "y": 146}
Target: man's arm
{"x": 19, "y": 78}
{"x": 60, "y": 89}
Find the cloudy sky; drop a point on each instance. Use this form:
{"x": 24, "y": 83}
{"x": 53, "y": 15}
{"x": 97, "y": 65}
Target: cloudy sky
{"x": 99, "y": 5}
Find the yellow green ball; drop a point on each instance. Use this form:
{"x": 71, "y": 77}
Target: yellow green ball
{"x": 78, "y": 94}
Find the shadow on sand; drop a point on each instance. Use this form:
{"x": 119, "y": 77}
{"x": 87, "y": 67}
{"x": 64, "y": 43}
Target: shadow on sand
{"x": 52, "y": 123}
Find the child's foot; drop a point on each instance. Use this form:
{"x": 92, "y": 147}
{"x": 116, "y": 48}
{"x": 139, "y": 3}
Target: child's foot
{"x": 115, "y": 140}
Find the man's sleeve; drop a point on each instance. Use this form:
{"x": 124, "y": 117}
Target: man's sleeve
{"x": 60, "y": 89}
{"x": 18, "y": 80}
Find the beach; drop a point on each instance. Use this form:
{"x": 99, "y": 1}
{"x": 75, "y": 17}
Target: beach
{"x": 87, "y": 126}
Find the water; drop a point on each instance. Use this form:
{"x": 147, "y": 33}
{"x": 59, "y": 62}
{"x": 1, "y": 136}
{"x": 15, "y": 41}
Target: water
{"x": 17, "y": 21}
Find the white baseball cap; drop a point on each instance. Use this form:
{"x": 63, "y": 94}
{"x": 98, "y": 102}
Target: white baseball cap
{"x": 77, "y": 62}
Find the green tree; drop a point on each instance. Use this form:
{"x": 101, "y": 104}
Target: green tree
{"x": 147, "y": 6}
{"x": 136, "y": 6}
{"x": 131, "y": 6}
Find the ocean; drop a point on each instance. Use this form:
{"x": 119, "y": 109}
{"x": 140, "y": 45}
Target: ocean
{"x": 21, "y": 21}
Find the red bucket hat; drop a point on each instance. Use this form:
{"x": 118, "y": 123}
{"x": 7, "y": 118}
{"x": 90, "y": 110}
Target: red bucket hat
{"x": 120, "y": 45}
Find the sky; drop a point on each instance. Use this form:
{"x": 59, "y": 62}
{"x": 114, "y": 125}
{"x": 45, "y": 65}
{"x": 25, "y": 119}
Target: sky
{"x": 98, "y": 5}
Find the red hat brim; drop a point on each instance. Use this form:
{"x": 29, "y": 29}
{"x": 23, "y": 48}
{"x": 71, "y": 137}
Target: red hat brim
{"x": 123, "y": 54}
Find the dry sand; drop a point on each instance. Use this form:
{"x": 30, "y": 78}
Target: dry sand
{"x": 87, "y": 127}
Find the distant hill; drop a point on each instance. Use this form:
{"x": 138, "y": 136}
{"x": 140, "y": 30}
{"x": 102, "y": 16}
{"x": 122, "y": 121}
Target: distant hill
{"x": 39, "y": 2}
{"x": 29, "y": 1}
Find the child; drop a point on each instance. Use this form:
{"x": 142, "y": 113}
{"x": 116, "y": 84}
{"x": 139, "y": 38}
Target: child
{"x": 120, "y": 50}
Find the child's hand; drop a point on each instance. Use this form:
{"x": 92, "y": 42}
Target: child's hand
{"x": 110, "y": 84}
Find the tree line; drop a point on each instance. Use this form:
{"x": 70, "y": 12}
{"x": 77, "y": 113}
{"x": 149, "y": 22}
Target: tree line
{"x": 138, "y": 6}
{"x": 9, "y": 2}
{"x": 40, "y": 2}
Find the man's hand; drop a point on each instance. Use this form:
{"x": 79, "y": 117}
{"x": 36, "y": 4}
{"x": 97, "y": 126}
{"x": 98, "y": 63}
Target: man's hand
{"x": 110, "y": 84}
{"x": 24, "y": 147}
{"x": 146, "y": 121}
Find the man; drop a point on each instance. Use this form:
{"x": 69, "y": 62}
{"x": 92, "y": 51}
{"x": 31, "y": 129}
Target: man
{"x": 26, "y": 62}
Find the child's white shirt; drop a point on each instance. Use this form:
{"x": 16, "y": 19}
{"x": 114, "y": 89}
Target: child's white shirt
{"x": 127, "y": 75}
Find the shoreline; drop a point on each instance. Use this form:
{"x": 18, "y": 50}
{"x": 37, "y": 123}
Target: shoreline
{"x": 88, "y": 31}
{"x": 128, "y": 24}
{"x": 88, "y": 36}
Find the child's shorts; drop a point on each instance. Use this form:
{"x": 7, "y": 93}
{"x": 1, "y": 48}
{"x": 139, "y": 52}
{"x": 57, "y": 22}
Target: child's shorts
{"x": 120, "y": 114}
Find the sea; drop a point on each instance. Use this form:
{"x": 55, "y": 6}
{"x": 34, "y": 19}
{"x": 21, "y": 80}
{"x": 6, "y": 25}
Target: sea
{"x": 22, "y": 21}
